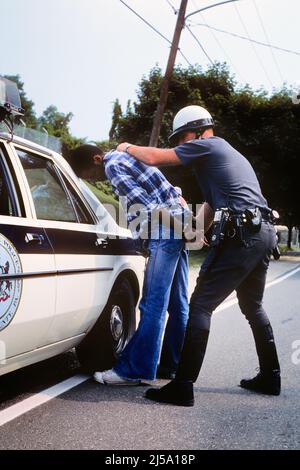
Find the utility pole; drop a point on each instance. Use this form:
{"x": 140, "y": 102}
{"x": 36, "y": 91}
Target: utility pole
{"x": 169, "y": 70}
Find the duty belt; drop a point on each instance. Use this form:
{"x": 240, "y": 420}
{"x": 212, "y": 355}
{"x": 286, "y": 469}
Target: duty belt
{"x": 228, "y": 224}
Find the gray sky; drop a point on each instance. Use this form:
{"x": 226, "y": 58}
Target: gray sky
{"x": 82, "y": 54}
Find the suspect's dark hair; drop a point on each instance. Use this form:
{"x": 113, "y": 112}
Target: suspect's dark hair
{"x": 81, "y": 158}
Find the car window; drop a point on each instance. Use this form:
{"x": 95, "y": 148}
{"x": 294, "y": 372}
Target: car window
{"x": 82, "y": 212}
{"x": 106, "y": 214}
{"x": 8, "y": 204}
{"x": 50, "y": 199}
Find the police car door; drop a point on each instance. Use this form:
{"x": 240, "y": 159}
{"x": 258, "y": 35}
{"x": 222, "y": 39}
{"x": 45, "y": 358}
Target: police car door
{"x": 84, "y": 271}
{"x": 27, "y": 266}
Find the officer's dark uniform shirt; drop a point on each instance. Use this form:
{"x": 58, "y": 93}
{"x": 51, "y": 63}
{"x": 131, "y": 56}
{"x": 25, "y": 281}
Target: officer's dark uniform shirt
{"x": 225, "y": 177}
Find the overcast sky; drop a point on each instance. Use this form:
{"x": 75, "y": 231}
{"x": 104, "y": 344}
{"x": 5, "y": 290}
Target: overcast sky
{"x": 82, "y": 54}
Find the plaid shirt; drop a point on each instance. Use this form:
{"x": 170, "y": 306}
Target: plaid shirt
{"x": 143, "y": 185}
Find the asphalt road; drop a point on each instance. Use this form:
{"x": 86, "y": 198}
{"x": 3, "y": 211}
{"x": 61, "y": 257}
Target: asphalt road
{"x": 91, "y": 416}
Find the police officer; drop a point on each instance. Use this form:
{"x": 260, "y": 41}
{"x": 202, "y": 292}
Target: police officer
{"x": 243, "y": 237}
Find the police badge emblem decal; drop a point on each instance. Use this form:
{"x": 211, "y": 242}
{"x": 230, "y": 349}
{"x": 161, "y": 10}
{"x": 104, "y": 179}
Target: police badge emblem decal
{"x": 10, "y": 289}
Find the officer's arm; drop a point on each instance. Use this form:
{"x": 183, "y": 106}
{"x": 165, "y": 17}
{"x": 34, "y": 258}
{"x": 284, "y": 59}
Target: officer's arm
{"x": 151, "y": 155}
{"x": 207, "y": 215}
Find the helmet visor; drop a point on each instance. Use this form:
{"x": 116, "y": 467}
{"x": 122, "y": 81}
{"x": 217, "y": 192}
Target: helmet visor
{"x": 192, "y": 125}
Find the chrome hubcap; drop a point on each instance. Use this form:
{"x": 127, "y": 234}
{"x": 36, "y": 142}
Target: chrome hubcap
{"x": 116, "y": 323}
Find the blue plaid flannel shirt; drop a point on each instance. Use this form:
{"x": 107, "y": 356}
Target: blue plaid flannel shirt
{"x": 143, "y": 185}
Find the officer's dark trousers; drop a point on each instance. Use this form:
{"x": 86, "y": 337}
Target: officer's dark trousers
{"x": 227, "y": 268}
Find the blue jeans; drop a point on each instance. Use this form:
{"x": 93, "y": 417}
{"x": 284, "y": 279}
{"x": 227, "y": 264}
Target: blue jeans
{"x": 165, "y": 289}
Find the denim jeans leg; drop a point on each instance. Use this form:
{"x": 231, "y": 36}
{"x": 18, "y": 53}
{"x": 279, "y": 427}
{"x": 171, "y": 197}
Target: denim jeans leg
{"x": 139, "y": 358}
{"x": 178, "y": 316}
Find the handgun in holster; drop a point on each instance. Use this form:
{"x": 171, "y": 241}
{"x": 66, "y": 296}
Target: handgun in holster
{"x": 249, "y": 221}
{"x": 254, "y": 219}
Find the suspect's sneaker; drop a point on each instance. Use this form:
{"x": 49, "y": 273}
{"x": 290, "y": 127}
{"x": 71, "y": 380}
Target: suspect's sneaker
{"x": 110, "y": 377}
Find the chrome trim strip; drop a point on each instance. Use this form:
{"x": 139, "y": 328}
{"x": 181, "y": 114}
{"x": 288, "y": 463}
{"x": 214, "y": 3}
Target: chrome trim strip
{"x": 63, "y": 272}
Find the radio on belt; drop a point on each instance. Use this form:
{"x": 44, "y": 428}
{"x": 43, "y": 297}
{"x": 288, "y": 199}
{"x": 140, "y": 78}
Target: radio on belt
{"x": 218, "y": 228}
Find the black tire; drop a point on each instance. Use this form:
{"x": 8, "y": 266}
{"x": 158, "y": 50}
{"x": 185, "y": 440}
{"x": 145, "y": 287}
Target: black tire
{"x": 101, "y": 347}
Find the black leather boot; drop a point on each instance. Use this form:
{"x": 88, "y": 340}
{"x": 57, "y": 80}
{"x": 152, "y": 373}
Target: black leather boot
{"x": 269, "y": 384}
{"x": 175, "y": 393}
{"x": 192, "y": 355}
{"x": 268, "y": 379}
{"x": 180, "y": 391}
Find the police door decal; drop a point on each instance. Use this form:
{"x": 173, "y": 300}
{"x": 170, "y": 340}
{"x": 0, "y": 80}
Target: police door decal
{"x": 10, "y": 290}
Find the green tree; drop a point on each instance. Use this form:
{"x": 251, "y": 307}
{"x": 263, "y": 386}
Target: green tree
{"x": 55, "y": 122}
{"x": 58, "y": 125}
{"x": 117, "y": 114}
{"x": 107, "y": 145}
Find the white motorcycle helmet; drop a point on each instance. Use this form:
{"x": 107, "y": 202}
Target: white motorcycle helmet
{"x": 191, "y": 118}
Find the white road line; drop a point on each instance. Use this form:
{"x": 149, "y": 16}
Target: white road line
{"x": 17, "y": 410}
{"x": 230, "y": 303}
{"x": 40, "y": 398}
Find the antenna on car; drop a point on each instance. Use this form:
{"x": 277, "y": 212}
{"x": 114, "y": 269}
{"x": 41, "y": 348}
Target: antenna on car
{"x": 10, "y": 104}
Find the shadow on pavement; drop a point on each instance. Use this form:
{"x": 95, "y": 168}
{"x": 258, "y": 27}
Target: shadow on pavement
{"x": 92, "y": 392}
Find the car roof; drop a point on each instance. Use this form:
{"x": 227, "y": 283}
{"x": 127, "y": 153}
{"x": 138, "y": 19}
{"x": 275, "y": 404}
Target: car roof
{"x": 28, "y": 143}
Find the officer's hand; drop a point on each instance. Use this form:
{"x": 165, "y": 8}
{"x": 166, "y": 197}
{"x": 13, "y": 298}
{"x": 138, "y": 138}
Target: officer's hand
{"x": 122, "y": 147}
{"x": 205, "y": 241}
{"x": 194, "y": 239}
{"x": 183, "y": 202}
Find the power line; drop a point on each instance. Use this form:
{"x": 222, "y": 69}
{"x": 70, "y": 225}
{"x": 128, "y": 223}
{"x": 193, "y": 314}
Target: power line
{"x": 195, "y": 4}
{"x": 175, "y": 11}
{"x": 153, "y": 28}
{"x": 197, "y": 40}
{"x": 267, "y": 38}
{"x": 164, "y": 90}
{"x": 260, "y": 43}
{"x": 146, "y": 22}
{"x": 224, "y": 2}
{"x": 191, "y": 32}
{"x": 253, "y": 47}
{"x": 199, "y": 43}
{"x": 214, "y": 36}
{"x": 217, "y": 41}
{"x": 222, "y": 48}
{"x": 172, "y": 6}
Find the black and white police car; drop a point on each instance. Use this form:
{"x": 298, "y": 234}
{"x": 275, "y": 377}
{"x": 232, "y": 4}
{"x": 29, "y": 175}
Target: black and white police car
{"x": 68, "y": 278}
